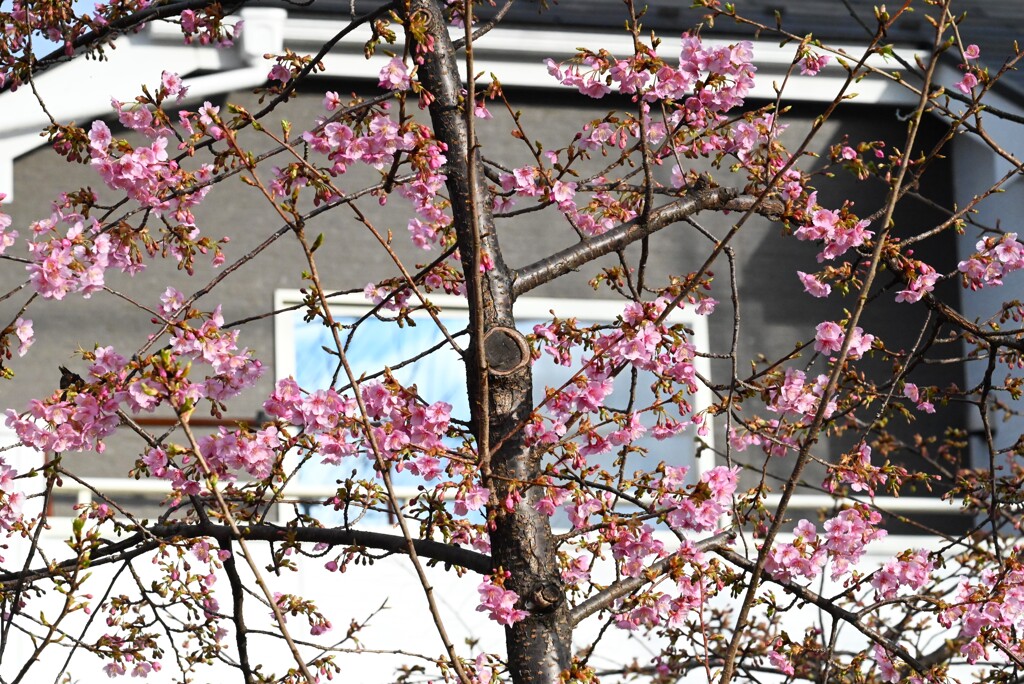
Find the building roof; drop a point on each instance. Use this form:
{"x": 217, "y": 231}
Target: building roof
{"x": 80, "y": 90}
{"x": 994, "y": 25}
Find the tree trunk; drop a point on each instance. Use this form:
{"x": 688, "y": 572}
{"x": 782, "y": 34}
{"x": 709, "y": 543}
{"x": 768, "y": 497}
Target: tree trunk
{"x": 521, "y": 539}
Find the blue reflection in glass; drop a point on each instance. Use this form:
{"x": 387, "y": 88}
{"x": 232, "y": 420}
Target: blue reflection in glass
{"x": 441, "y": 376}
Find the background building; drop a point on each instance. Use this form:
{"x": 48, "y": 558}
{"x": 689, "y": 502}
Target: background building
{"x": 774, "y": 304}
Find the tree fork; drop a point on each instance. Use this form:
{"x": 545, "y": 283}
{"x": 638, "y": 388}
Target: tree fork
{"x": 539, "y": 647}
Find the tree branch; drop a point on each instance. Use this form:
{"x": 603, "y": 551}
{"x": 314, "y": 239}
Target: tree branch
{"x": 109, "y": 32}
{"x": 238, "y": 613}
{"x": 560, "y": 263}
{"x": 335, "y": 536}
{"x": 829, "y": 607}
{"x": 617, "y": 590}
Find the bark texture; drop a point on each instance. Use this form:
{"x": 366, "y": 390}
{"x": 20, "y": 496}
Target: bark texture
{"x": 521, "y": 539}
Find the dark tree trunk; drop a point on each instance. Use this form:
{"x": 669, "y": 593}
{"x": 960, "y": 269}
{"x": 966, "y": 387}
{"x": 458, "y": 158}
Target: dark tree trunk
{"x": 521, "y": 540}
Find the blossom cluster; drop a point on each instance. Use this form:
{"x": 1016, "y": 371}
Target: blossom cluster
{"x": 322, "y": 422}
{"x": 206, "y": 26}
{"x": 640, "y": 342}
{"x": 995, "y": 257}
{"x": 13, "y": 502}
{"x": 71, "y": 253}
{"x": 989, "y": 611}
{"x": 537, "y": 182}
{"x": 811, "y": 64}
{"x": 431, "y": 224}
{"x": 375, "y": 146}
{"x": 405, "y": 431}
{"x": 794, "y": 395}
{"x": 922, "y": 281}
{"x": 696, "y": 507}
{"x": 845, "y": 541}
{"x": 830, "y": 337}
{"x": 705, "y": 507}
{"x": 839, "y": 231}
{"x": 696, "y": 93}
{"x": 775, "y": 437}
{"x": 290, "y": 604}
{"x": 912, "y": 569}
{"x": 676, "y": 603}
{"x": 379, "y": 141}
{"x": 189, "y": 572}
{"x": 912, "y": 392}
{"x": 146, "y": 173}
{"x": 60, "y": 26}
{"x": 967, "y": 84}
{"x": 856, "y": 470}
{"x": 498, "y": 602}
{"x": 80, "y": 417}
{"x": 71, "y": 250}
{"x": 712, "y": 78}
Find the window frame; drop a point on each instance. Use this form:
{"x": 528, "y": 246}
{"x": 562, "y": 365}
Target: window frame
{"x": 597, "y": 310}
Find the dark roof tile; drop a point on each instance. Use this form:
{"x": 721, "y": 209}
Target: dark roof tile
{"x": 994, "y": 25}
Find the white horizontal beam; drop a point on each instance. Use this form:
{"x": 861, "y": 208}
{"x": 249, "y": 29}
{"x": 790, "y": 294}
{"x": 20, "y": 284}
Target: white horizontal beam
{"x": 902, "y": 504}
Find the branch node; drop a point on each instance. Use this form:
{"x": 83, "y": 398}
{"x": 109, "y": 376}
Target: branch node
{"x": 545, "y": 597}
{"x": 506, "y": 350}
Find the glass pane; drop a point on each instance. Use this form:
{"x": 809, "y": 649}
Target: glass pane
{"x": 440, "y": 376}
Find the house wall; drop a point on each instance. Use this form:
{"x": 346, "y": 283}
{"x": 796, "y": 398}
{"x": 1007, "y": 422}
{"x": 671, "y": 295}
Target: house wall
{"x": 775, "y": 313}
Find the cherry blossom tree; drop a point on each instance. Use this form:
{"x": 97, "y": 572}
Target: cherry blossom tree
{"x": 555, "y": 502}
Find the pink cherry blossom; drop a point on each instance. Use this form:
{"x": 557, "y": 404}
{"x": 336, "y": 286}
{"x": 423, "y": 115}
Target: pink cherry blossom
{"x": 921, "y": 285}
{"x": 912, "y": 570}
{"x": 394, "y": 75}
{"x": 994, "y": 258}
{"x": 804, "y": 557}
{"x": 23, "y": 329}
{"x": 847, "y": 537}
{"x": 967, "y": 83}
{"x": 499, "y": 603}
{"x": 814, "y": 286}
{"x": 912, "y": 392}
{"x": 279, "y": 72}
{"x": 811, "y": 64}
{"x": 829, "y": 338}
{"x": 173, "y": 85}
{"x": 781, "y": 662}
{"x": 472, "y": 500}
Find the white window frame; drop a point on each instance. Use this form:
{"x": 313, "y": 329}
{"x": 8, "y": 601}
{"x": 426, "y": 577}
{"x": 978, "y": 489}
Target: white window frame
{"x": 588, "y": 311}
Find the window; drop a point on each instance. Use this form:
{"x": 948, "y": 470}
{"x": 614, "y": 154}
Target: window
{"x": 440, "y": 375}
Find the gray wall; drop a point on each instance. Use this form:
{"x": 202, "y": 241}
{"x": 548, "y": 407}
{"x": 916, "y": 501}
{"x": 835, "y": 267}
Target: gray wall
{"x": 775, "y": 312}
